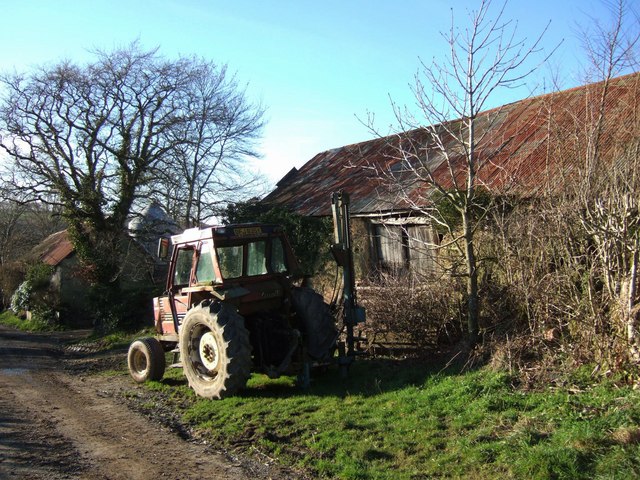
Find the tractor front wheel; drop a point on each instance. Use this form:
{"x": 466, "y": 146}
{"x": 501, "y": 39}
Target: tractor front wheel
{"x": 145, "y": 360}
{"x": 215, "y": 350}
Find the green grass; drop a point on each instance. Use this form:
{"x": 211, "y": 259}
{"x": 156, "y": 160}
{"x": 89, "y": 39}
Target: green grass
{"x": 118, "y": 339}
{"x": 9, "y": 319}
{"x": 393, "y": 420}
{"x": 400, "y": 420}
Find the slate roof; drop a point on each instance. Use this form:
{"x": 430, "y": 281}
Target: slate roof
{"x": 523, "y": 147}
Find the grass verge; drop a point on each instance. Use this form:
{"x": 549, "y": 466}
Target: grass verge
{"x": 33, "y": 325}
{"x": 407, "y": 421}
{"x": 114, "y": 340}
{"x": 93, "y": 341}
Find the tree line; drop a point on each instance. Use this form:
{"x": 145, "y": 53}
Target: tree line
{"x": 93, "y": 143}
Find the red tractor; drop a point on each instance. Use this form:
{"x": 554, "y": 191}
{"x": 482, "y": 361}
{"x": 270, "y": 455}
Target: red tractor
{"x": 234, "y": 305}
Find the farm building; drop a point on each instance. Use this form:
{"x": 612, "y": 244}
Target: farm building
{"x": 140, "y": 266}
{"x": 527, "y": 148}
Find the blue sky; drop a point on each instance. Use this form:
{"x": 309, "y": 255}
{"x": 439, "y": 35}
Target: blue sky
{"x": 317, "y": 66}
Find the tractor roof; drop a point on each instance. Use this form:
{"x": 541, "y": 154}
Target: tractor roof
{"x": 229, "y": 232}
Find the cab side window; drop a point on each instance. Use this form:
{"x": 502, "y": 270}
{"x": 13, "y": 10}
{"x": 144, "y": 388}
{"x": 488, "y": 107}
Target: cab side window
{"x": 184, "y": 261}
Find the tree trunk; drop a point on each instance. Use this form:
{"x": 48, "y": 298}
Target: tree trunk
{"x": 630, "y": 309}
{"x": 473, "y": 302}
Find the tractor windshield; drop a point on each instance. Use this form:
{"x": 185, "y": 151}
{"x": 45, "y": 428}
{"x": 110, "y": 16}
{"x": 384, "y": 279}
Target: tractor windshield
{"x": 254, "y": 258}
{"x": 230, "y": 261}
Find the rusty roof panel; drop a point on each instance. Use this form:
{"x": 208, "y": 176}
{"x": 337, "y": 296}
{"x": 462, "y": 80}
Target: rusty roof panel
{"x": 522, "y": 147}
{"x": 55, "y": 248}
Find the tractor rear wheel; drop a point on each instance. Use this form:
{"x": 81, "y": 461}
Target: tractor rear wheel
{"x": 215, "y": 350}
{"x": 145, "y": 360}
{"x": 318, "y": 324}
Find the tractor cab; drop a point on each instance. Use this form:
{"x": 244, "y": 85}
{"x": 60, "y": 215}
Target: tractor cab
{"x": 249, "y": 265}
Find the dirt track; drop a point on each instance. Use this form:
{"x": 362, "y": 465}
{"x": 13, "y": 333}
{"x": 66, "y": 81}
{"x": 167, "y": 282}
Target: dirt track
{"x": 61, "y": 423}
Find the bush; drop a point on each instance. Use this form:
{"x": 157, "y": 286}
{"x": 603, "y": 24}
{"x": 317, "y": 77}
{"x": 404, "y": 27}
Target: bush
{"x": 127, "y": 307}
{"x": 45, "y": 315}
{"x": 11, "y": 276}
{"x": 21, "y": 298}
{"x": 423, "y": 316}
{"x": 39, "y": 275}
{"x": 542, "y": 275}
{"x": 33, "y": 295}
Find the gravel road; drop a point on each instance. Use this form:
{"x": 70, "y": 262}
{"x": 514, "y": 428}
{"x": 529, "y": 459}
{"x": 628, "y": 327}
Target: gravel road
{"x": 60, "y": 421}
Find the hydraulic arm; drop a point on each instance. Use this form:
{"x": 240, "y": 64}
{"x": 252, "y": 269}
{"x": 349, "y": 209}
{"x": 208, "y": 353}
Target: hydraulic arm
{"x": 343, "y": 254}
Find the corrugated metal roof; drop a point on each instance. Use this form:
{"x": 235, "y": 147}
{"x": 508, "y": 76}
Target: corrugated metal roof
{"x": 55, "y": 248}
{"x": 522, "y": 147}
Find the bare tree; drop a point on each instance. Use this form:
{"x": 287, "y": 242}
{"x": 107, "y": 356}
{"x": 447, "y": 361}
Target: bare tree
{"x": 208, "y": 167}
{"x": 91, "y": 138}
{"x": 22, "y": 226}
{"x": 609, "y": 187}
{"x": 611, "y": 50}
{"x": 483, "y": 59}
{"x": 571, "y": 254}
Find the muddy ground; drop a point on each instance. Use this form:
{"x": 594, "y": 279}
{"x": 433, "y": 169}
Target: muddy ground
{"x": 60, "y": 420}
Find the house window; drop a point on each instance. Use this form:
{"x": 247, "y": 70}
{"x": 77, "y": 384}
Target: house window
{"x": 391, "y": 246}
{"x": 422, "y": 255}
{"x": 404, "y": 247}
